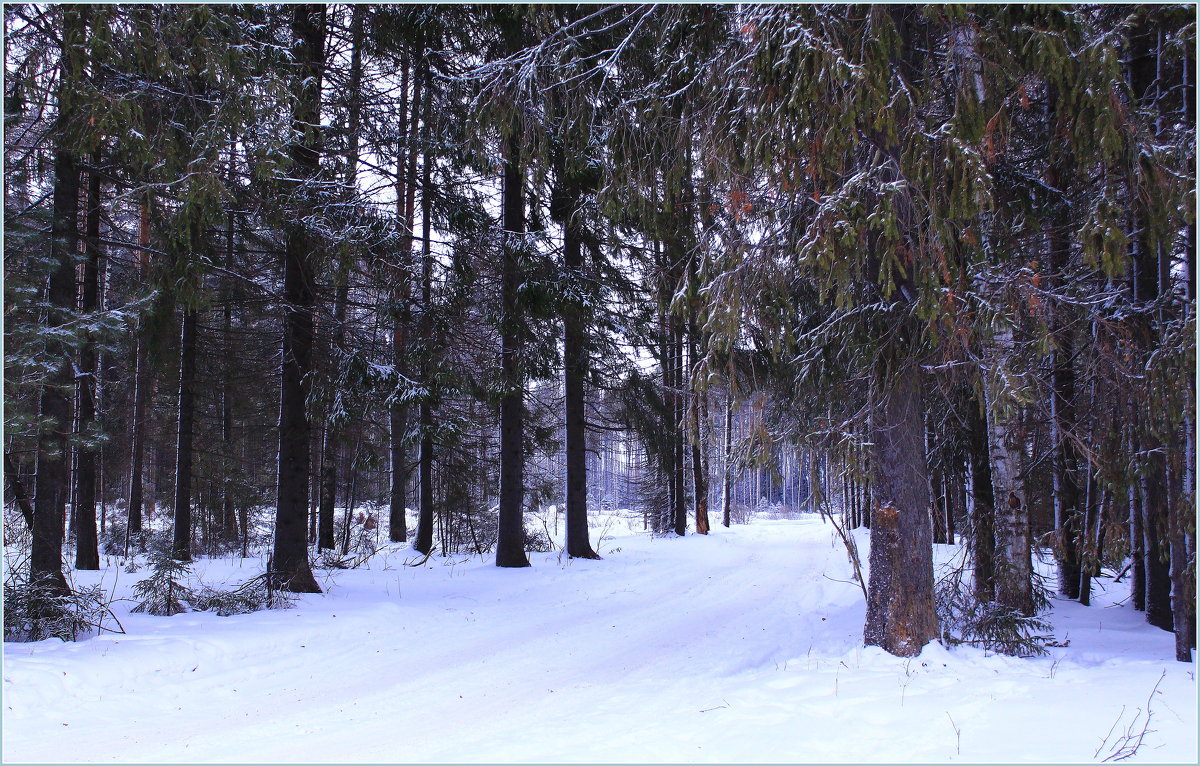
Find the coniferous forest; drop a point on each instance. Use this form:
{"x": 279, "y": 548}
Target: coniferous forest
{"x": 295, "y": 284}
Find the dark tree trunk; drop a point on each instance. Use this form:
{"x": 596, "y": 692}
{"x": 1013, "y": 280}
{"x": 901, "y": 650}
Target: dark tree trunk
{"x": 510, "y": 537}
{"x": 229, "y": 524}
{"x": 900, "y": 615}
{"x": 425, "y": 508}
{"x": 678, "y": 472}
{"x": 181, "y": 541}
{"x": 726, "y": 477}
{"x": 12, "y": 472}
{"x": 54, "y": 406}
{"x": 698, "y": 415}
{"x": 1067, "y": 517}
{"x": 983, "y": 539}
{"x": 1151, "y": 273}
{"x": 1090, "y": 550}
{"x": 575, "y": 363}
{"x": 1183, "y": 589}
{"x": 141, "y": 395}
{"x": 290, "y": 569}
{"x": 87, "y": 553}
{"x": 331, "y": 452}
{"x": 1065, "y": 459}
{"x": 332, "y": 449}
{"x": 1155, "y": 556}
{"x": 398, "y": 416}
{"x": 1137, "y": 564}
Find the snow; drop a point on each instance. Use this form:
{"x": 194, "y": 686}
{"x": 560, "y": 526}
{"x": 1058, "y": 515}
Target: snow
{"x": 742, "y": 646}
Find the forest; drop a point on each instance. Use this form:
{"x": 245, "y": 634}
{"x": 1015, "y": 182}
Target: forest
{"x": 304, "y": 280}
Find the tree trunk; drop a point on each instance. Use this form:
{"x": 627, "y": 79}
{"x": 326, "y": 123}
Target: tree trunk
{"x": 331, "y": 451}
{"x": 406, "y": 167}
{"x": 54, "y": 406}
{"x": 1065, "y": 458}
{"x": 1013, "y": 552}
{"x": 87, "y": 553}
{"x": 726, "y": 477}
{"x": 289, "y": 567}
{"x": 229, "y": 524}
{"x": 575, "y": 363}
{"x": 1155, "y": 553}
{"x": 425, "y": 477}
{"x": 181, "y": 542}
{"x": 1137, "y": 564}
{"x": 699, "y": 415}
{"x": 678, "y": 472}
{"x": 141, "y": 395}
{"x": 510, "y": 535}
{"x": 900, "y": 614}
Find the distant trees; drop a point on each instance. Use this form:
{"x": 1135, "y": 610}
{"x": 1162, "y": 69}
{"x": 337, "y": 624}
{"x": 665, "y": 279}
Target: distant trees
{"x": 932, "y": 266}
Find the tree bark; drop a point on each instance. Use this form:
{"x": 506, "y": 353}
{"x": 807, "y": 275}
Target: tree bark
{"x": 141, "y": 395}
{"x": 290, "y": 569}
{"x": 1013, "y": 552}
{"x": 398, "y": 416}
{"x": 575, "y": 363}
{"x": 332, "y": 449}
{"x": 1155, "y": 552}
{"x": 900, "y": 614}
{"x": 87, "y": 553}
{"x": 54, "y": 406}
{"x": 181, "y": 540}
{"x": 726, "y": 477}
{"x": 510, "y": 537}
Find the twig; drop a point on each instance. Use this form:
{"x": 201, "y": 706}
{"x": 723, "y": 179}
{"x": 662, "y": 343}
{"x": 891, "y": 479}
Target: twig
{"x": 1130, "y": 742}
{"x": 957, "y": 734}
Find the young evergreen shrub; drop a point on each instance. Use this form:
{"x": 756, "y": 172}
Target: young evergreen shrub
{"x": 537, "y": 541}
{"x": 164, "y": 592}
{"x": 1001, "y": 629}
{"x": 333, "y": 560}
{"x": 254, "y": 595}
{"x": 36, "y": 610}
{"x": 112, "y": 542}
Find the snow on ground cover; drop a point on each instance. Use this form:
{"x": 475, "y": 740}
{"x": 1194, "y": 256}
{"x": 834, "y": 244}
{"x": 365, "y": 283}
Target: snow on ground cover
{"x": 740, "y": 646}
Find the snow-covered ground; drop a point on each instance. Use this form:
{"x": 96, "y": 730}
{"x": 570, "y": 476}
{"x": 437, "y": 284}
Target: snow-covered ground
{"x": 740, "y": 646}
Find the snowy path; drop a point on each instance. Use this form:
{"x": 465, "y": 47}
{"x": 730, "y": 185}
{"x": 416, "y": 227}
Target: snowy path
{"x": 735, "y": 647}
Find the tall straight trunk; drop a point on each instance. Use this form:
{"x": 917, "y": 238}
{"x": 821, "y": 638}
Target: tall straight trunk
{"x": 229, "y": 524}
{"x": 900, "y": 615}
{"x": 332, "y": 448}
{"x": 575, "y": 363}
{"x": 54, "y": 405}
{"x": 290, "y": 569}
{"x": 1183, "y": 582}
{"x": 1137, "y": 564}
{"x": 679, "y": 474}
{"x": 726, "y": 474}
{"x": 141, "y": 394}
{"x": 1155, "y": 552}
{"x": 1150, "y": 278}
{"x": 510, "y": 537}
{"x": 425, "y": 507}
{"x": 398, "y": 413}
{"x": 181, "y": 540}
{"x": 1006, "y": 448}
{"x": 1090, "y": 550}
{"x": 1065, "y": 459}
{"x": 87, "y": 553}
{"x": 50, "y": 484}
{"x": 1067, "y": 516}
{"x": 698, "y": 412}
{"x": 663, "y": 516}
{"x": 699, "y": 465}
